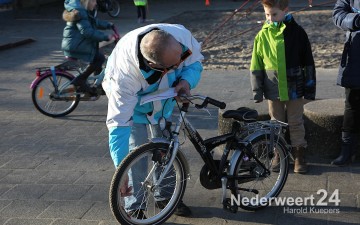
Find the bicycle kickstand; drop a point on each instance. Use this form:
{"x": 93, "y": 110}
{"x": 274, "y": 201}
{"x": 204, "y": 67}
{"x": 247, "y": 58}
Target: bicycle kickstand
{"x": 227, "y": 205}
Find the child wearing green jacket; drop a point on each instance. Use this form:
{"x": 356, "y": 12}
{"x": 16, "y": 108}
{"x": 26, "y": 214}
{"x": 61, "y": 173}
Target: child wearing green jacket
{"x": 282, "y": 71}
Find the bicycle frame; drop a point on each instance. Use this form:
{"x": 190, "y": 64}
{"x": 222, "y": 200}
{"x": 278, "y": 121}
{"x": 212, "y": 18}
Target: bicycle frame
{"x": 205, "y": 147}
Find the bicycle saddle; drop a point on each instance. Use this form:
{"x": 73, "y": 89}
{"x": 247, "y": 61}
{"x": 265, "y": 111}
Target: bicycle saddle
{"x": 71, "y": 64}
{"x": 242, "y": 114}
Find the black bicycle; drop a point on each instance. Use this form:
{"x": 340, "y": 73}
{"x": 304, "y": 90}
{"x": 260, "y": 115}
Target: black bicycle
{"x": 159, "y": 170}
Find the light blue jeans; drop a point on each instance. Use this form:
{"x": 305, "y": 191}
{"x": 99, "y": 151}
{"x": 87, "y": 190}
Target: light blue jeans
{"x": 140, "y": 135}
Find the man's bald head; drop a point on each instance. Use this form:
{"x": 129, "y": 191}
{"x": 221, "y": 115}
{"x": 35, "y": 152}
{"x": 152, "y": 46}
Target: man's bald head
{"x": 155, "y": 44}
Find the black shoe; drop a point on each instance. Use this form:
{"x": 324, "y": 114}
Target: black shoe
{"x": 82, "y": 86}
{"x": 345, "y": 156}
{"x": 137, "y": 213}
{"x": 181, "y": 210}
{"x": 90, "y": 91}
{"x": 100, "y": 90}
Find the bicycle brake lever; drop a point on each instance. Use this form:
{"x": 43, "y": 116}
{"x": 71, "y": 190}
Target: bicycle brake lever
{"x": 206, "y": 110}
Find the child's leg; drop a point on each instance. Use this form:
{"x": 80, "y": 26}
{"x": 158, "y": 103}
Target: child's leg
{"x": 277, "y": 110}
{"x": 98, "y": 62}
{"x": 138, "y": 11}
{"x": 143, "y": 12}
{"x": 295, "y": 111}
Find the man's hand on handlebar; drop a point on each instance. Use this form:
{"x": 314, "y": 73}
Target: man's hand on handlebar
{"x": 182, "y": 88}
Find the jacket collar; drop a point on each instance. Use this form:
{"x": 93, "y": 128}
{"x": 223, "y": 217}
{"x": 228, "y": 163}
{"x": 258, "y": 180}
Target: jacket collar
{"x": 278, "y": 27}
{"x": 287, "y": 20}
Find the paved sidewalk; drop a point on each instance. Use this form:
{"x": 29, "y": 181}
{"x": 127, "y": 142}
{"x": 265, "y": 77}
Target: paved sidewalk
{"x": 58, "y": 171}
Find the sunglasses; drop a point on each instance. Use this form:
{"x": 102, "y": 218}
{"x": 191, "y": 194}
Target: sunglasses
{"x": 164, "y": 69}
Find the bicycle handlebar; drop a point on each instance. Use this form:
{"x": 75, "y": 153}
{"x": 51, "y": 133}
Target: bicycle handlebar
{"x": 207, "y": 100}
{"x": 221, "y": 105}
{"x": 116, "y": 36}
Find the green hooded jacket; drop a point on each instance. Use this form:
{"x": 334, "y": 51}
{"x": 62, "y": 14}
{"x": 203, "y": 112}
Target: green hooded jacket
{"x": 282, "y": 66}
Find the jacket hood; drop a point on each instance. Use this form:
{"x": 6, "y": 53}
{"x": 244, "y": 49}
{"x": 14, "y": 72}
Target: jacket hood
{"x": 72, "y": 16}
{"x": 74, "y": 10}
{"x": 73, "y": 4}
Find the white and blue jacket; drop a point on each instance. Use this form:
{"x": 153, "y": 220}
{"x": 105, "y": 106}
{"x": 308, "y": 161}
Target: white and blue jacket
{"x": 125, "y": 83}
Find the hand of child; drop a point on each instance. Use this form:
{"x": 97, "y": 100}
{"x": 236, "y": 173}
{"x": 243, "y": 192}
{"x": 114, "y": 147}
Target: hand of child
{"x": 111, "y": 37}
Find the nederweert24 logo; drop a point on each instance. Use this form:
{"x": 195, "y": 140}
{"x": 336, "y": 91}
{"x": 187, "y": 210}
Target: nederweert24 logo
{"x": 321, "y": 203}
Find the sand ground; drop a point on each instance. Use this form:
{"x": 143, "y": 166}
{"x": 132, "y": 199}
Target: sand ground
{"x": 230, "y": 46}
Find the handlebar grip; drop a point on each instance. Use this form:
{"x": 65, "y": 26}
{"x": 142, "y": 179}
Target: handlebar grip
{"x": 116, "y": 33}
{"x": 221, "y": 105}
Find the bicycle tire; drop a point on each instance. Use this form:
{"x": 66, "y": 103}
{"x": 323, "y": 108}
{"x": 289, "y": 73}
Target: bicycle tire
{"x": 114, "y": 8}
{"x": 44, "y": 90}
{"x": 267, "y": 187}
{"x": 144, "y": 156}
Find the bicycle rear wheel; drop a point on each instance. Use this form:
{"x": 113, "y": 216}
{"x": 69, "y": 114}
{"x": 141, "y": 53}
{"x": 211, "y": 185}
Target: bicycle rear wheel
{"x": 134, "y": 197}
{"x": 260, "y": 184}
{"x": 55, "y": 98}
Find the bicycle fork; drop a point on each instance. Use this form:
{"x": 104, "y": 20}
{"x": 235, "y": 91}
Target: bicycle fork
{"x": 173, "y": 149}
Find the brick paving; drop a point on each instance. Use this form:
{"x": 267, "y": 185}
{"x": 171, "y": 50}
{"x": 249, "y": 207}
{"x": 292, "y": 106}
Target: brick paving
{"x": 58, "y": 171}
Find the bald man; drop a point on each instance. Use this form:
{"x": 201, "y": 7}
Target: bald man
{"x": 145, "y": 60}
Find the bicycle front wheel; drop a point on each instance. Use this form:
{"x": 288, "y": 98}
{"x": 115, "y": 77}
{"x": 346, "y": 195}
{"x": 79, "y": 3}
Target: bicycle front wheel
{"x": 134, "y": 196}
{"x": 259, "y": 183}
{"x": 55, "y": 97}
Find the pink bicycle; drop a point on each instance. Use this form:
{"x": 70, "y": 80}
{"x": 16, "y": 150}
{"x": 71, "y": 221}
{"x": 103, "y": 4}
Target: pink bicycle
{"x": 54, "y": 95}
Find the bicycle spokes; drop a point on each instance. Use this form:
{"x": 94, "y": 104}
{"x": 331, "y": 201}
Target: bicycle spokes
{"x": 55, "y": 99}
{"x": 149, "y": 200}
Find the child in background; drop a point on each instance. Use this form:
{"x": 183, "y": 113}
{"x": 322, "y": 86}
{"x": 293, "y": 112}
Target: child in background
{"x": 81, "y": 39}
{"x": 282, "y": 71}
{"x": 141, "y": 10}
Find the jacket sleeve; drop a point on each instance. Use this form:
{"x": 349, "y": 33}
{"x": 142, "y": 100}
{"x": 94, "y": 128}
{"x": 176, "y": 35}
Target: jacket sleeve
{"x": 309, "y": 69}
{"x": 257, "y": 75}
{"x": 192, "y": 74}
{"x": 119, "y": 143}
{"x": 123, "y": 98}
{"x": 103, "y": 25}
{"x": 88, "y": 31}
{"x": 344, "y": 17}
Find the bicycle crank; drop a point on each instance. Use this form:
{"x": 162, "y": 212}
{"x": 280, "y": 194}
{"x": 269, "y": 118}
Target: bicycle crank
{"x": 57, "y": 97}
{"x": 249, "y": 190}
